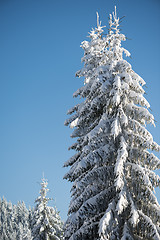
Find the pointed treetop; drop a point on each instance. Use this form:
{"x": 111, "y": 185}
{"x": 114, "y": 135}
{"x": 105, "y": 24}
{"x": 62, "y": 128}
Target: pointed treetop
{"x": 115, "y": 13}
{"x": 96, "y": 32}
{"x": 98, "y": 23}
{"x": 114, "y": 22}
{"x": 99, "y": 28}
{"x": 44, "y": 189}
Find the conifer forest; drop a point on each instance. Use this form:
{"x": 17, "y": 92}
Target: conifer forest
{"x": 112, "y": 169}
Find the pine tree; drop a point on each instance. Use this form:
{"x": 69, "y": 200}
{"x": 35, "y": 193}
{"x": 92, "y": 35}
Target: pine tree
{"x": 46, "y": 223}
{"x": 30, "y": 216}
{"x": 113, "y": 168}
{"x": 7, "y": 231}
{"x": 14, "y": 224}
{"x": 21, "y": 222}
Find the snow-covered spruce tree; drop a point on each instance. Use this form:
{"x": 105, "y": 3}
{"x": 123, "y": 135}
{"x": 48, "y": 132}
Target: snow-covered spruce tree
{"x": 46, "y": 223}
{"x": 30, "y": 216}
{"x": 14, "y": 222}
{"x": 112, "y": 170}
{"x": 21, "y": 221}
{"x": 7, "y": 230}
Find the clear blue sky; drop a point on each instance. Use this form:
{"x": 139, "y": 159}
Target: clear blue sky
{"x": 39, "y": 55}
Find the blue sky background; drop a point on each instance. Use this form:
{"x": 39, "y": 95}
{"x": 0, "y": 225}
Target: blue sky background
{"x": 39, "y": 55}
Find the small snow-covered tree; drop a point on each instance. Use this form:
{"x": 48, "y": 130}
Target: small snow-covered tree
{"x": 14, "y": 222}
{"x": 7, "y": 230}
{"x": 46, "y": 223}
{"x": 30, "y": 216}
{"x": 113, "y": 168}
{"x": 21, "y": 221}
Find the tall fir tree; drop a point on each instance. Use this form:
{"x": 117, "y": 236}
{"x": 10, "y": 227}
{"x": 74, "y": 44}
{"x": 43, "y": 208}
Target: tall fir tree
{"x": 46, "y": 223}
{"x": 113, "y": 168}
